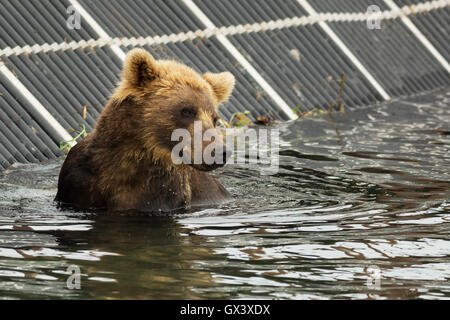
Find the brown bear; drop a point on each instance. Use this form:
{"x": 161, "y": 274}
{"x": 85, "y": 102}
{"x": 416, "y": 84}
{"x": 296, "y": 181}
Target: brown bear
{"x": 125, "y": 163}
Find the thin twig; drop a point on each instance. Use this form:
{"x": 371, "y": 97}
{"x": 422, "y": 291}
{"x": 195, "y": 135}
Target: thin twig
{"x": 341, "y": 92}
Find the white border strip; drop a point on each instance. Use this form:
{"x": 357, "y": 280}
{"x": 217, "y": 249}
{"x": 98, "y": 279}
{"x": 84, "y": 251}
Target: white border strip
{"x": 51, "y": 121}
{"x": 420, "y": 36}
{"x": 346, "y": 51}
{"x": 115, "y": 43}
{"x": 242, "y": 60}
{"x": 97, "y": 28}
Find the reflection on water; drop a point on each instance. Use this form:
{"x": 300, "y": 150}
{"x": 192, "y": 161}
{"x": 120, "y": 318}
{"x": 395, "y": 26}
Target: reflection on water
{"x": 357, "y": 191}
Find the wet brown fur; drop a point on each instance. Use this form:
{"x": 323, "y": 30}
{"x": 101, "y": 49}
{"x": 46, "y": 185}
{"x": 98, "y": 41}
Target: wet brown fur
{"x": 125, "y": 163}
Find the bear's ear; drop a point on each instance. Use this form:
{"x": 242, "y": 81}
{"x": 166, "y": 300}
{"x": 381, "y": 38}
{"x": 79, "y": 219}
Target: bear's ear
{"x": 139, "y": 67}
{"x": 221, "y": 83}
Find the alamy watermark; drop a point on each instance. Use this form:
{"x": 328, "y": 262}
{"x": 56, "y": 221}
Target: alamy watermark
{"x": 74, "y": 280}
{"x": 374, "y": 19}
{"x": 232, "y": 146}
{"x": 74, "y": 19}
{"x": 374, "y": 277}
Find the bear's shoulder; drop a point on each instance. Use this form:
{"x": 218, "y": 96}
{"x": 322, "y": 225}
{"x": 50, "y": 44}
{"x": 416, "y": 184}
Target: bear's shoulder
{"x": 77, "y": 183}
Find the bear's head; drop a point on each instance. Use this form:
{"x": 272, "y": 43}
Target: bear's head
{"x": 157, "y": 97}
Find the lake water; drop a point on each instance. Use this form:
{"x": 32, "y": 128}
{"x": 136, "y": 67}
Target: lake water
{"x": 359, "y": 209}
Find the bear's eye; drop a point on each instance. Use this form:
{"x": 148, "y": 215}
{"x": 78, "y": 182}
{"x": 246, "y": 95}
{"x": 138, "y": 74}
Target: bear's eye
{"x": 188, "y": 112}
{"x": 215, "y": 120}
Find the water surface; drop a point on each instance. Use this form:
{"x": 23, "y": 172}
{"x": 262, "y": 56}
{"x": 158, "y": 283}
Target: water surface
{"x": 359, "y": 194}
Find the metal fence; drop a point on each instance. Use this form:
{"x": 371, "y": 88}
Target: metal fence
{"x": 60, "y": 60}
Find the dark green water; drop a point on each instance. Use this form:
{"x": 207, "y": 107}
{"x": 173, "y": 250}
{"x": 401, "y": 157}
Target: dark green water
{"x": 362, "y": 191}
